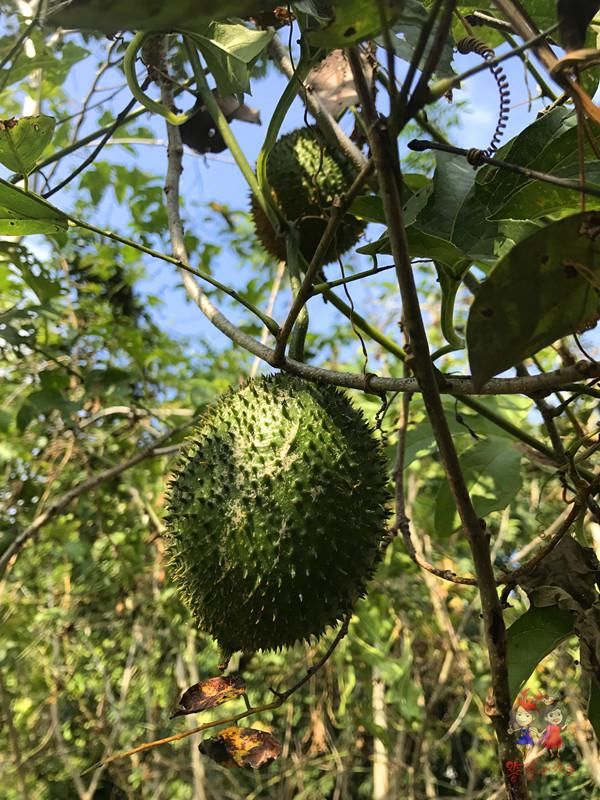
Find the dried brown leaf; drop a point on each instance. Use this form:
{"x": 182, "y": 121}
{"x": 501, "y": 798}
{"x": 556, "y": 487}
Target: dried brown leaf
{"x": 209, "y": 693}
{"x": 241, "y": 747}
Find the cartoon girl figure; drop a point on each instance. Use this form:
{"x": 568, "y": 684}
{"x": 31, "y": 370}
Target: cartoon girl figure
{"x": 522, "y": 718}
{"x": 551, "y": 738}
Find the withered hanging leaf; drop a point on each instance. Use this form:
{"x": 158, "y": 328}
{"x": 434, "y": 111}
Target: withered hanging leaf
{"x": 241, "y": 747}
{"x": 573, "y": 18}
{"x": 332, "y": 82}
{"x": 587, "y": 628}
{"x": 566, "y": 577}
{"x": 209, "y": 693}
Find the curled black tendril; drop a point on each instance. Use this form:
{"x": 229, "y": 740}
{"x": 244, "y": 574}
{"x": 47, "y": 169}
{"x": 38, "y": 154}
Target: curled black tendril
{"x": 471, "y": 44}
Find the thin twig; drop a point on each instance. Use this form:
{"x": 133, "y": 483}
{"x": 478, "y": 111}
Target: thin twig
{"x": 385, "y": 155}
{"x": 420, "y": 145}
{"x": 283, "y": 696}
{"x": 117, "y": 122}
{"x": 340, "y": 206}
{"x": 563, "y": 528}
{"x": 250, "y": 711}
{"x": 420, "y": 96}
{"x": 61, "y": 503}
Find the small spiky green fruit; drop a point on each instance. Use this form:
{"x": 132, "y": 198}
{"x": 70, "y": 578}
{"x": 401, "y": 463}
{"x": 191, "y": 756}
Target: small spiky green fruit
{"x": 305, "y": 175}
{"x": 276, "y": 513}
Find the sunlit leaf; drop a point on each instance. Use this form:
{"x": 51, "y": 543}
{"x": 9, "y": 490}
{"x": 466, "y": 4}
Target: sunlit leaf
{"x": 545, "y": 288}
{"x": 352, "y": 22}
{"x": 22, "y": 213}
{"x": 210, "y": 693}
{"x": 535, "y": 199}
{"x": 23, "y": 140}
{"x": 110, "y": 16}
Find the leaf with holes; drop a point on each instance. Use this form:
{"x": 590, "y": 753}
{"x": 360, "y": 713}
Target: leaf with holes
{"x": 354, "y": 21}
{"x": 241, "y": 747}
{"x": 22, "y": 213}
{"x": 22, "y": 141}
{"x": 546, "y": 287}
{"x": 531, "y": 638}
{"x": 210, "y": 693}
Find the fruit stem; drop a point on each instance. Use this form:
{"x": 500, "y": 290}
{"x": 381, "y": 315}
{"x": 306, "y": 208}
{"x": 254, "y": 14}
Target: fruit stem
{"x": 300, "y": 328}
{"x": 223, "y": 128}
{"x": 129, "y": 59}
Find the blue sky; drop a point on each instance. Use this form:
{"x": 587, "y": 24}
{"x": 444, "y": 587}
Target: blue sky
{"x": 217, "y": 179}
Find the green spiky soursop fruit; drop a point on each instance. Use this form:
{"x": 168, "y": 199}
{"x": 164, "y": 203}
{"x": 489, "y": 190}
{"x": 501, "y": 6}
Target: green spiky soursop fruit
{"x": 276, "y": 513}
{"x": 305, "y": 175}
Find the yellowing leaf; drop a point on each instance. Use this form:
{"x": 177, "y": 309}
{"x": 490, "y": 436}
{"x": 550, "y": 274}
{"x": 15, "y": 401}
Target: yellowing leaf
{"x": 241, "y": 747}
{"x": 23, "y": 140}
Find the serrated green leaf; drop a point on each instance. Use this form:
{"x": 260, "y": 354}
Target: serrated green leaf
{"x": 22, "y": 213}
{"x": 545, "y": 288}
{"x": 23, "y": 140}
{"x": 492, "y": 470}
{"x": 531, "y": 638}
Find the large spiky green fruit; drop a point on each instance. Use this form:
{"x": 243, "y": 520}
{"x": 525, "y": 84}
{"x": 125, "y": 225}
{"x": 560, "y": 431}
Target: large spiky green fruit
{"x": 276, "y": 513}
{"x": 305, "y": 175}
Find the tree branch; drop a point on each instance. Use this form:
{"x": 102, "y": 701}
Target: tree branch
{"x": 60, "y": 504}
{"x": 385, "y": 155}
{"x": 419, "y": 145}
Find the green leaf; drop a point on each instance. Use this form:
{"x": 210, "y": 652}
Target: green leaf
{"x": 492, "y": 471}
{"x": 421, "y": 245}
{"x": 536, "y": 199}
{"x": 229, "y": 51}
{"x": 531, "y": 638}
{"x": 594, "y": 708}
{"x": 110, "y": 16}
{"x": 549, "y": 144}
{"x": 409, "y": 26}
{"x": 415, "y": 193}
{"x": 22, "y": 213}
{"x": 545, "y": 288}
{"x": 100, "y": 378}
{"x": 454, "y": 211}
{"x": 353, "y": 21}
{"x": 23, "y": 140}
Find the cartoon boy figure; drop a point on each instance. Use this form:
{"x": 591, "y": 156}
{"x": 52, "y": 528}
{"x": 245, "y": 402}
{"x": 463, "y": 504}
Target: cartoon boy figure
{"x": 522, "y": 718}
{"x": 551, "y": 738}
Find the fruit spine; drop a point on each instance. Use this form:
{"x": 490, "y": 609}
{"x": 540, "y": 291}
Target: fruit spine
{"x": 276, "y": 513}
{"x": 305, "y": 175}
